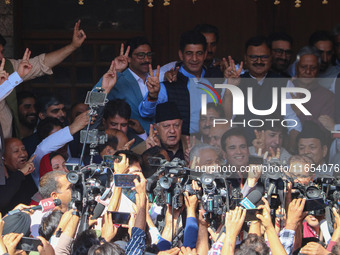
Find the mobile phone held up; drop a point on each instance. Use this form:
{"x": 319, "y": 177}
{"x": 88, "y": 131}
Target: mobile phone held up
{"x": 29, "y": 244}
{"x": 125, "y": 180}
{"x": 120, "y": 218}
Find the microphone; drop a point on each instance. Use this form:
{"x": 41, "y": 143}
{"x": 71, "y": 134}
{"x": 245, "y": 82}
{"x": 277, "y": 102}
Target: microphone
{"x": 250, "y": 201}
{"x": 98, "y": 210}
{"x": 45, "y": 205}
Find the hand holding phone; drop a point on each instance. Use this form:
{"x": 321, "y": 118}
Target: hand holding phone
{"x": 125, "y": 180}
{"x": 29, "y": 244}
{"x": 251, "y": 214}
{"x": 120, "y": 218}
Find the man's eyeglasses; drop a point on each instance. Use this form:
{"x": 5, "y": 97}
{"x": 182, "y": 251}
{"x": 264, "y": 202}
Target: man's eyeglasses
{"x": 141, "y": 55}
{"x": 281, "y": 51}
{"x": 256, "y": 57}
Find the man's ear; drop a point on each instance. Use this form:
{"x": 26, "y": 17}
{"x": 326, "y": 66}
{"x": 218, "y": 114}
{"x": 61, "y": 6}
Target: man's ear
{"x": 180, "y": 54}
{"x": 104, "y": 122}
{"x": 155, "y": 126}
{"x": 324, "y": 150}
{"x": 54, "y": 195}
{"x": 41, "y": 115}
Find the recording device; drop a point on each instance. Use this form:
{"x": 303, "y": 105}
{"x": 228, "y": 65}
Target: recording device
{"x": 29, "y": 244}
{"x": 71, "y": 166}
{"x": 315, "y": 198}
{"x": 109, "y": 160}
{"x": 120, "y": 218}
{"x": 215, "y": 198}
{"x": 125, "y": 180}
{"x": 169, "y": 188}
{"x": 93, "y": 137}
{"x": 215, "y": 193}
{"x": 86, "y": 180}
{"x": 45, "y": 205}
{"x": 251, "y": 214}
{"x": 96, "y": 98}
{"x": 251, "y": 201}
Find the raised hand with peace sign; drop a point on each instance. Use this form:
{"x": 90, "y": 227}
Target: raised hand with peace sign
{"x": 3, "y": 73}
{"x": 153, "y": 84}
{"x": 122, "y": 61}
{"x": 152, "y": 139}
{"x": 230, "y": 71}
{"x": 25, "y": 67}
{"x": 110, "y": 78}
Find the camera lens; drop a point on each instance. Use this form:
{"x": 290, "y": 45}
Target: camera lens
{"x": 165, "y": 182}
{"x": 72, "y": 177}
{"x": 313, "y": 192}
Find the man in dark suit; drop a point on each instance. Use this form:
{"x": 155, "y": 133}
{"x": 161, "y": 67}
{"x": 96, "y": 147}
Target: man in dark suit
{"x": 131, "y": 81}
{"x": 259, "y": 78}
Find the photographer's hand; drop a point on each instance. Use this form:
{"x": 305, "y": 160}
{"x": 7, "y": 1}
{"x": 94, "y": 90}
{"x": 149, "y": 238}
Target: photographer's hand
{"x": 64, "y": 221}
{"x": 202, "y": 244}
{"x": 295, "y": 214}
{"x": 11, "y": 241}
{"x": 80, "y": 122}
{"x": 233, "y": 223}
{"x": 46, "y": 248}
{"x": 265, "y": 216}
{"x": 191, "y": 203}
{"x": 108, "y": 230}
{"x": 169, "y": 219}
{"x": 122, "y": 166}
{"x": 141, "y": 201}
{"x": 336, "y": 233}
{"x": 274, "y": 241}
{"x": 313, "y": 248}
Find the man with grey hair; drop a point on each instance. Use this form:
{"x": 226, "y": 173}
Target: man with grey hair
{"x": 323, "y": 42}
{"x": 321, "y": 103}
{"x": 52, "y": 185}
{"x": 300, "y": 169}
{"x": 55, "y": 185}
{"x": 204, "y": 157}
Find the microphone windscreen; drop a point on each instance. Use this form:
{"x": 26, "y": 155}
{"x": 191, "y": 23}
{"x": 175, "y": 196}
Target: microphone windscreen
{"x": 57, "y": 202}
{"x": 254, "y": 196}
{"x": 97, "y": 212}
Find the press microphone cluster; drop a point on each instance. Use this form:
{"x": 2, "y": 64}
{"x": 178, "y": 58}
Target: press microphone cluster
{"x": 250, "y": 201}
{"x": 45, "y": 205}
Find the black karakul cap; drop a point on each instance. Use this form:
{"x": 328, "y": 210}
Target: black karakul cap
{"x": 311, "y": 130}
{"x": 167, "y": 111}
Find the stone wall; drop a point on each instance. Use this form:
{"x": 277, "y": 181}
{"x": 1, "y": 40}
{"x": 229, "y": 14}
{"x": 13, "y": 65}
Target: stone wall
{"x": 6, "y": 26}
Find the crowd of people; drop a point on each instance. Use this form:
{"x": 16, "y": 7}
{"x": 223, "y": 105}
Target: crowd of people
{"x": 290, "y": 120}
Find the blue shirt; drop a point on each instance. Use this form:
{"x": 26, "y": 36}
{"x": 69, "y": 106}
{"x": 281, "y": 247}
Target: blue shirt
{"x": 148, "y": 109}
{"x": 136, "y": 245}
